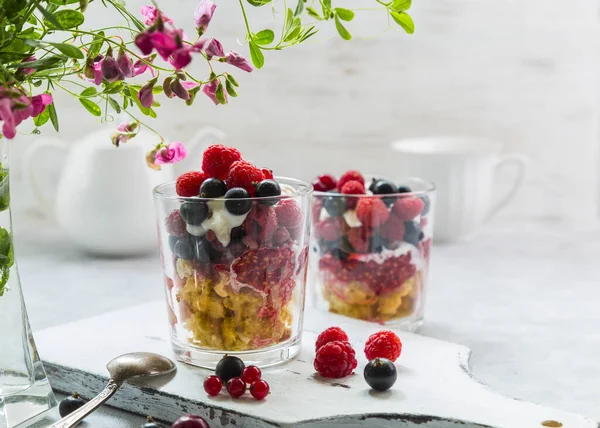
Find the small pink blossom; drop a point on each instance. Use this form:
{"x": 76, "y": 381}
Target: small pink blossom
{"x": 144, "y": 42}
{"x": 203, "y": 15}
{"x": 28, "y": 71}
{"x": 125, "y": 64}
{"x": 124, "y": 132}
{"x": 173, "y": 153}
{"x": 151, "y": 14}
{"x": 39, "y": 103}
{"x": 181, "y": 58}
{"x": 16, "y": 106}
{"x": 93, "y": 70}
{"x": 214, "y": 48}
{"x": 210, "y": 90}
{"x": 145, "y": 94}
{"x": 238, "y": 61}
{"x": 140, "y": 67}
{"x": 165, "y": 43}
{"x": 110, "y": 69}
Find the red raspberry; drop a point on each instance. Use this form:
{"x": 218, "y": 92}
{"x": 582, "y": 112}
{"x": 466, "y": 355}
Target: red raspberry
{"x": 383, "y": 344}
{"x": 217, "y": 160}
{"x": 175, "y": 224}
{"x": 267, "y": 173}
{"x": 372, "y": 212}
{"x": 330, "y": 335}
{"x": 350, "y": 176}
{"x": 295, "y": 233}
{"x": 282, "y": 235}
{"x": 393, "y": 229}
{"x": 188, "y": 184}
{"x": 244, "y": 174}
{"x": 353, "y": 187}
{"x": 325, "y": 182}
{"x": 408, "y": 208}
{"x": 359, "y": 239}
{"x": 318, "y": 186}
{"x": 289, "y": 214}
{"x": 329, "y": 229}
{"x": 261, "y": 223}
{"x": 335, "y": 359}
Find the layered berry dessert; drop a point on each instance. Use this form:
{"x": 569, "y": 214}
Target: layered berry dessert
{"x": 371, "y": 245}
{"x": 234, "y": 249}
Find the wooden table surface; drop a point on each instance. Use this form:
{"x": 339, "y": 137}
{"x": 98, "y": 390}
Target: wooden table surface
{"x": 523, "y": 297}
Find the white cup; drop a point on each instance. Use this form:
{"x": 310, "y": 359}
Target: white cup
{"x": 463, "y": 170}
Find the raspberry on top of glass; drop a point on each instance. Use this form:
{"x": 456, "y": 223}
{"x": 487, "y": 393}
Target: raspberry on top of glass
{"x": 372, "y": 240}
{"x": 234, "y": 245}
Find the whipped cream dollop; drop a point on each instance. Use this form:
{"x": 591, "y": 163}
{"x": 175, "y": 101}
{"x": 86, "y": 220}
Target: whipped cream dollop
{"x": 287, "y": 190}
{"x": 222, "y": 221}
{"x": 404, "y": 248}
{"x": 351, "y": 219}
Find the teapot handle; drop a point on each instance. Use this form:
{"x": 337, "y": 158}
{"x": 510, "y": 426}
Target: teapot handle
{"x": 34, "y": 175}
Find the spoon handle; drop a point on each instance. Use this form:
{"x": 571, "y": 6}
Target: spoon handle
{"x": 74, "y": 418}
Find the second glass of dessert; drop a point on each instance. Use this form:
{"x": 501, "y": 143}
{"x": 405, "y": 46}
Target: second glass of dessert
{"x": 234, "y": 247}
{"x": 370, "y": 247}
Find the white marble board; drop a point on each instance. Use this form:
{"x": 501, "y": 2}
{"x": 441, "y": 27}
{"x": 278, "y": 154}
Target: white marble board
{"x": 434, "y": 387}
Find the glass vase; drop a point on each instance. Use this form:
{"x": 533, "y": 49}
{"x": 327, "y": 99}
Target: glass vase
{"x": 25, "y": 394}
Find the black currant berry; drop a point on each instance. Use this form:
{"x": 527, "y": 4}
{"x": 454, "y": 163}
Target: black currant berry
{"x": 172, "y": 242}
{"x": 412, "y": 232}
{"x": 204, "y": 251}
{"x": 194, "y": 213}
{"x": 404, "y": 189}
{"x": 384, "y": 187}
{"x": 237, "y": 202}
{"x": 268, "y": 188}
{"x": 380, "y": 374}
{"x": 335, "y": 206}
{"x": 70, "y": 404}
{"x": 212, "y": 188}
{"x": 183, "y": 249}
{"x": 229, "y": 367}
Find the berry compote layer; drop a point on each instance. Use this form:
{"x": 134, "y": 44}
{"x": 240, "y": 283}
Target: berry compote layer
{"x": 371, "y": 244}
{"x": 234, "y": 255}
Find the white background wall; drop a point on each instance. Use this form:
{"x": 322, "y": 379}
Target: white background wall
{"x": 522, "y": 72}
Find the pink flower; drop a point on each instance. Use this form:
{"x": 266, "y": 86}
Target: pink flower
{"x": 140, "y": 66}
{"x": 173, "y": 153}
{"x": 210, "y": 90}
{"x": 145, "y": 95}
{"x": 238, "y": 61}
{"x": 28, "y": 71}
{"x": 165, "y": 43}
{"x": 125, "y": 64}
{"x": 124, "y": 132}
{"x": 110, "y": 69}
{"x": 203, "y": 14}
{"x": 214, "y": 48}
{"x": 151, "y": 14}
{"x": 181, "y": 57}
{"x": 181, "y": 89}
{"x": 144, "y": 42}
{"x": 39, "y": 103}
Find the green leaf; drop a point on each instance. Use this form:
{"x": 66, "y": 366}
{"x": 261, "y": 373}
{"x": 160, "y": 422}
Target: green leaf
{"x": 69, "y": 50}
{"x": 220, "y": 95}
{"x": 299, "y": 8}
{"x": 344, "y": 14}
{"x": 88, "y": 92}
{"x": 312, "y": 12}
{"x": 308, "y": 33}
{"x": 404, "y": 20}
{"x": 6, "y": 258}
{"x": 259, "y": 3}
{"x": 401, "y": 5}
{"x": 52, "y": 21}
{"x": 62, "y": 2}
{"x": 4, "y": 189}
{"x": 264, "y": 37}
{"x": 157, "y": 89}
{"x": 326, "y": 7}
{"x": 114, "y": 104}
{"x": 53, "y": 116}
{"x": 258, "y": 59}
{"x": 96, "y": 45}
{"x": 232, "y": 80}
{"x": 113, "y": 88}
{"x": 230, "y": 89}
{"x": 83, "y": 4}
{"x": 43, "y": 63}
{"x": 289, "y": 19}
{"x": 42, "y": 118}
{"x": 292, "y": 35}
{"x": 345, "y": 34}
{"x": 69, "y": 18}
{"x": 91, "y": 106}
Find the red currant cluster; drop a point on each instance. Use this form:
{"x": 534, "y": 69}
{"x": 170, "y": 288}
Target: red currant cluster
{"x": 236, "y": 376}
{"x": 335, "y": 357}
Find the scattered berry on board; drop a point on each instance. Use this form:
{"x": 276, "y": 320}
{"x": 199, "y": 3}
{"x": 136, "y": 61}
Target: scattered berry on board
{"x": 383, "y": 344}
{"x": 213, "y": 385}
{"x": 380, "y": 374}
{"x": 70, "y": 404}
{"x": 335, "y": 359}
{"x": 251, "y": 374}
{"x": 237, "y": 378}
{"x": 190, "y": 421}
{"x": 330, "y": 335}
{"x": 236, "y": 387}
{"x": 372, "y": 246}
{"x": 259, "y": 389}
{"x": 229, "y": 367}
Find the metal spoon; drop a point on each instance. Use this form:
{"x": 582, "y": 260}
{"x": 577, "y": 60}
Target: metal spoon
{"x": 121, "y": 369}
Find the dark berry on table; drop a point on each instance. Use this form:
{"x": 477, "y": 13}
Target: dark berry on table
{"x": 70, "y": 404}
{"x": 412, "y": 231}
{"x": 213, "y": 385}
{"x": 190, "y": 421}
{"x": 335, "y": 206}
{"x": 183, "y": 249}
{"x": 236, "y": 201}
{"x": 404, "y": 189}
{"x": 268, "y": 188}
{"x": 426, "y": 204}
{"x": 194, "y": 213}
{"x": 380, "y": 374}
{"x": 236, "y": 387}
{"x": 229, "y": 367}
{"x": 172, "y": 241}
{"x": 251, "y": 374}
{"x": 259, "y": 389}
{"x": 213, "y": 188}
{"x": 204, "y": 251}
{"x": 151, "y": 423}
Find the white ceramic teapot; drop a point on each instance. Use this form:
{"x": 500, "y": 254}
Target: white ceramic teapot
{"x": 102, "y": 199}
